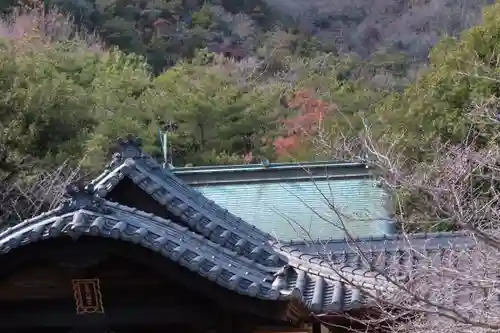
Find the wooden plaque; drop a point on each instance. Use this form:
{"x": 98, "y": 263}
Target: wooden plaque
{"x": 88, "y": 296}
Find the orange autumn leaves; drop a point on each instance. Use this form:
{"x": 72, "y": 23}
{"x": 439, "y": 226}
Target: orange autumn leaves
{"x": 300, "y": 129}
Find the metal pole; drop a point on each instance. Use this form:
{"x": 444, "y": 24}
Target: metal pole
{"x": 165, "y": 152}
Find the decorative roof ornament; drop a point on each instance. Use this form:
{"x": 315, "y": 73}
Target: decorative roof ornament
{"x": 116, "y": 160}
{"x": 79, "y": 196}
{"x": 127, "y": 147}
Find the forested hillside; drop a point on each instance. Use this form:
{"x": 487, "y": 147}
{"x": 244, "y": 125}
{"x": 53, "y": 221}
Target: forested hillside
{"x": 241, "y": 80}
{"x": 166, "y": 31}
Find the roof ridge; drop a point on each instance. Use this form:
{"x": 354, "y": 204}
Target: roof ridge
{"x": 193, "y": 194}
{"x": 184, "y": 202}
{"x": 130, "y": 147}
{"x": 369, "y": 239}
{"x": 344, "y": 247}
{"x": 263, "y": 167}
{"x": 316, "y": 265}
{"x": 165, "y": 223}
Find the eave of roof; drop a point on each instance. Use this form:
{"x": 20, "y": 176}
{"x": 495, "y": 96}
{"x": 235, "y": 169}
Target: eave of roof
{"x": 365, "y": 262}
{"x": 87, "y": 216}
{"x": 171, "y": 240}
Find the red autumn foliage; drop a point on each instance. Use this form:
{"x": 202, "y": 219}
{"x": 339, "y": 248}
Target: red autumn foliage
{"x": 299, "y": 128}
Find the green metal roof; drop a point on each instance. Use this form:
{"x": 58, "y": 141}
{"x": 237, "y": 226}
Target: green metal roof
{"x": 204, "y": 175}
{"x": 293, "y": 200}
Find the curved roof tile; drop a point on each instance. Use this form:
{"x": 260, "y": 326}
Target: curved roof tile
{"x": 399, "y": 254}
{"x": 196, "y": 211}
{"x": 384, "y": 243}
{"x": 169, "y": 239}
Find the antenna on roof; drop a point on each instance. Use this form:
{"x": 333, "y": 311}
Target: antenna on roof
{"x": 163, "y": 130}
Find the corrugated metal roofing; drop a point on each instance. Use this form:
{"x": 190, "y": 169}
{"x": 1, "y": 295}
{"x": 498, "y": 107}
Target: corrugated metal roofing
{"x": 292, "y": 210}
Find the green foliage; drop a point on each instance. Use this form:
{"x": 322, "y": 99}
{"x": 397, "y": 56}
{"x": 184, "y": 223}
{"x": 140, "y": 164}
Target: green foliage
{"x": 69, "y": 99}
{"x": 204, "y": 18}
{"x": 462, "y": 72}
{"x": 214, "y": 115}
{"x": 42, "y": 108}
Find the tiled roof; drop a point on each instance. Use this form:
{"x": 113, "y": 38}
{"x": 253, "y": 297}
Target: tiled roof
{"x": 216, "y": 244}
{"x": 170, "y": 239}
{"x": 350, "y": 266}
{"x": 320, "y": 290}
{"x": 397, "y": 254}
{"x": 191, "y": 207}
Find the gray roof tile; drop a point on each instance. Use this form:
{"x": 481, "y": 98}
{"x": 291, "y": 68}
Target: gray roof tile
{"x": 394, "y": 255}
{"x": 193, "y": 209}
{"x": 175, "y": 242}
{"x": 389, "y": 243}
{"x": 306, "y": 276}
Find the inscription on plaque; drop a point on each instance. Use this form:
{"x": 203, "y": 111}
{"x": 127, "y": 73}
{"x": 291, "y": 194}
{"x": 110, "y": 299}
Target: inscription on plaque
{"x": 88, "y": 296}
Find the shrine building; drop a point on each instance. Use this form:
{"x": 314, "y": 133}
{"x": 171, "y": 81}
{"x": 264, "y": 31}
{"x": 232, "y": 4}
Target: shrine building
{"x": 222, "y": 249}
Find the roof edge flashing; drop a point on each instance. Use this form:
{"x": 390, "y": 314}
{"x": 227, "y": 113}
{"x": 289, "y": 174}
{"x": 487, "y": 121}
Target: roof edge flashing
{"x": 252, "y": 175}
{"x": 248, "y": 180}
{"x": 263, "y": 167}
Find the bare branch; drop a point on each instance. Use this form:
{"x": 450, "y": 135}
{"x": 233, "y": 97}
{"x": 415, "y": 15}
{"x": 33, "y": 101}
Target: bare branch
{"x": 452, "y": 287}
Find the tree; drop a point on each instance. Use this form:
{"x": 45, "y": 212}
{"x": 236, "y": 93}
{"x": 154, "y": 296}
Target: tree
{"x": 218, "y": 113}
{"x": 40, "y": 191}
{"x": 435, "y": 149}
{"x": 462, "y": 72}
{"x": 324, "y": 107}
{"x": 300, "y": 128}
{"x": 455, "y": 184}
{"x": 60, "y": 89}
{"x": 450, "y": 289}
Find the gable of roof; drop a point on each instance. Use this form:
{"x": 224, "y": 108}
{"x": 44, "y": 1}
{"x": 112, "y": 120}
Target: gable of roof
{"x": 190, "y": 207}
{"x": 293, "y": 200}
